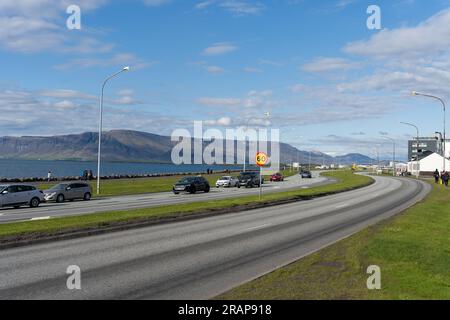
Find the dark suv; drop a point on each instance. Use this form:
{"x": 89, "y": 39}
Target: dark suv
{"x": 191, "y": 185}
{"x": 249, "y": 179}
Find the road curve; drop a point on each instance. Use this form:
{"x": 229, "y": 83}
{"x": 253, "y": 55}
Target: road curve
{"x": 199, "y": 259}
{"x": 53, "y": 210}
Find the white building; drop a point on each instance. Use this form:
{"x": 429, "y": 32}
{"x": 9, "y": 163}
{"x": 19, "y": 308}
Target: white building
{"x": 429, "y": 164}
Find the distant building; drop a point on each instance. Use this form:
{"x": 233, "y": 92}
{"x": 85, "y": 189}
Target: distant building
{"x": 428, "y": 164}
{"x": 425, "y": 147}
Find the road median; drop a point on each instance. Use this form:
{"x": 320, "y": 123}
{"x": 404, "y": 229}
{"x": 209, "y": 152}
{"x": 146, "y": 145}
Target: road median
{"x": 32, "y": 232}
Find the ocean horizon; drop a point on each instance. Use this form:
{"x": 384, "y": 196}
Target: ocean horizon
{"x": 11, "y": 168}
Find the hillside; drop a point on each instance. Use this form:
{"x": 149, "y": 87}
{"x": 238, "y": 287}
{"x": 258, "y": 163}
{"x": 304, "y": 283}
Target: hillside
{"x": 130, "y": 146}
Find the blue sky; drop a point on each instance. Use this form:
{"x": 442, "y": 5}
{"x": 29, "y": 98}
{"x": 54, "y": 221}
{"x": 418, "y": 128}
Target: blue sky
{"x": 329, "y": 82}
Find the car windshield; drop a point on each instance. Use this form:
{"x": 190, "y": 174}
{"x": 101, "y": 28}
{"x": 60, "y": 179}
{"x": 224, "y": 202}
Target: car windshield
{"x": 187, "y": 180}
{"x": 247, "y": 174}
{"x": 2, "y": 188}
{"x": 58, "y": 187}
{"x": 225, "y": 178}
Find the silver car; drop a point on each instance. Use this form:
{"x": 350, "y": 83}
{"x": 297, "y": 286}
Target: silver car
{"x": 20, "y": 195}
{"x": 227, "y": 181}
{"x": 69, "y": 191}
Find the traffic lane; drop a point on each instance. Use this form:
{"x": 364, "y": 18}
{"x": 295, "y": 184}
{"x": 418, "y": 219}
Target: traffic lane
{"x": 200, "y": 258}
{"x": 52, "y": 210}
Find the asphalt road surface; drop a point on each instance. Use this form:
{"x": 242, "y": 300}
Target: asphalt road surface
{"x": 50, "y": 210}
{"x": 202, "y": 258}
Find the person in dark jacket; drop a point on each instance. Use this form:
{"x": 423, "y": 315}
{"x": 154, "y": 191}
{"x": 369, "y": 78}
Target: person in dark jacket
{"x": 436, "y": 176}
{"x": 445, "y": 178}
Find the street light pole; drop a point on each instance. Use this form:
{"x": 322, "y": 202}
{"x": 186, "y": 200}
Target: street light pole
{"x": 100, "y": 127}
{"x": 415, "y": 93}
{"x": 310, "y": 152}
{"x": 393, "y": 153}
{"x": 417, "y": 156}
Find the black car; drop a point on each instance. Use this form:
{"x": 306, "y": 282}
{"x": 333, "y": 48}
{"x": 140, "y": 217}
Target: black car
{"x": 306, "y": 175}
{"x": 191, "y": 185}
{"x": 249, "y": 179}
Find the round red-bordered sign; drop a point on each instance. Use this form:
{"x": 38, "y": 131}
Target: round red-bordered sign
{"x": 261, "y": 159}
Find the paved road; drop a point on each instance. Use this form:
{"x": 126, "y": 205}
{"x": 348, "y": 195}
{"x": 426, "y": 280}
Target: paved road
{"x": 201, "y": 258}
{"x": 149, "y": 200}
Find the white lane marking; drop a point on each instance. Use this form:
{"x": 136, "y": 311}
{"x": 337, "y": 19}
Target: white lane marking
{"x": 342, "y": 206}
{"x": 39, "y": 218}
{"x": 258, "y": 227}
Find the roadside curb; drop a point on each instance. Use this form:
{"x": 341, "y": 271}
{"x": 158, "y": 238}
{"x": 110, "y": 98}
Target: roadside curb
{"x": 40, "y": 238}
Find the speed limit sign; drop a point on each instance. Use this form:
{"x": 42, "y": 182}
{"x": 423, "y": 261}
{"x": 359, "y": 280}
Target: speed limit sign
{"x": 261, "y": 159}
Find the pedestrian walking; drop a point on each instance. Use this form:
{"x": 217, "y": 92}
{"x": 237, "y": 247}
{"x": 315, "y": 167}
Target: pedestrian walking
{"x": 445, "y": 178}
{"x": 49, "y": 176}
{"x": 436, "y": 176}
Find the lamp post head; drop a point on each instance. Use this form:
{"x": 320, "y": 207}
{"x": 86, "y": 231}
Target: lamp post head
{"x": 267, "y": 114}
{"x": 126, "y": 69}
{"x": 414, "y": 93}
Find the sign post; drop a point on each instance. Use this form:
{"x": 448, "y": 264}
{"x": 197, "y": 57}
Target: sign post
{"x": 261, "y": 160}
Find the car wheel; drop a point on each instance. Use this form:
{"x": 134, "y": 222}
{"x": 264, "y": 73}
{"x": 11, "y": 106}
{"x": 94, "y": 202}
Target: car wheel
{"x": 207, "y": 189}
{"x": 176, "y": 192}
{"x": 34, "y": 203}
{"x": 16, "y": 207}
{"x": 192, "y": 190}
{"x": 87, "y": 196}
{"x": 60, "y": 198}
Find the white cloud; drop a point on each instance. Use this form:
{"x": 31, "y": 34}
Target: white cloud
{"x": 156, "y": 3}
{"x": 66, "y": 94}
{"x": 65, "y": 104}
{"x": 297, "y": 88}
{"x": 254, "y": 99}
{"x": 126, "y": 92}
{"x": 39, "y": 25}
{"x": 241, "y": 8}
{"x": 204, "y": 4}
{"x": 429, "y": 37}
{"x": 252, "y": 70}
{"x": 320, "y": 65}
{"x": 219, "y": 49}
{"x": 26, "y": 112}
{"x": 270, "y": 63}
{"x": 205, "y": 101}
{"x": 237, "y": 8}
{"x": 117, "y": 60}
{"x": 214, "y": 69}
{"x": 223, "y": 122}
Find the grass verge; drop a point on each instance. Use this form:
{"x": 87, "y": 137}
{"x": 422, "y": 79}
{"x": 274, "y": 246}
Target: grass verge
{"x": 44, "y": 228}
{"x": 411, "y": 249}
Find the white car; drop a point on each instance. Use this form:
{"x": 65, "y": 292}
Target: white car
{"x": 228, "y": 182}
{"x": 20, "y": 195}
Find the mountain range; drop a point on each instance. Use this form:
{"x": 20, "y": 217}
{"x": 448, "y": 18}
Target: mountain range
{"x": 133, "y": 146}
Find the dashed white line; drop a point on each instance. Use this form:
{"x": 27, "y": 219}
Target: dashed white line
{"x": 258, "y": 227}
{"x": 40, "y": 218}
{"x": 342, "y": 206}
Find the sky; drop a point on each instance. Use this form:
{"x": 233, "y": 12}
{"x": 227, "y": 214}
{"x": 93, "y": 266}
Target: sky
{"x": 330, "y": 83}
